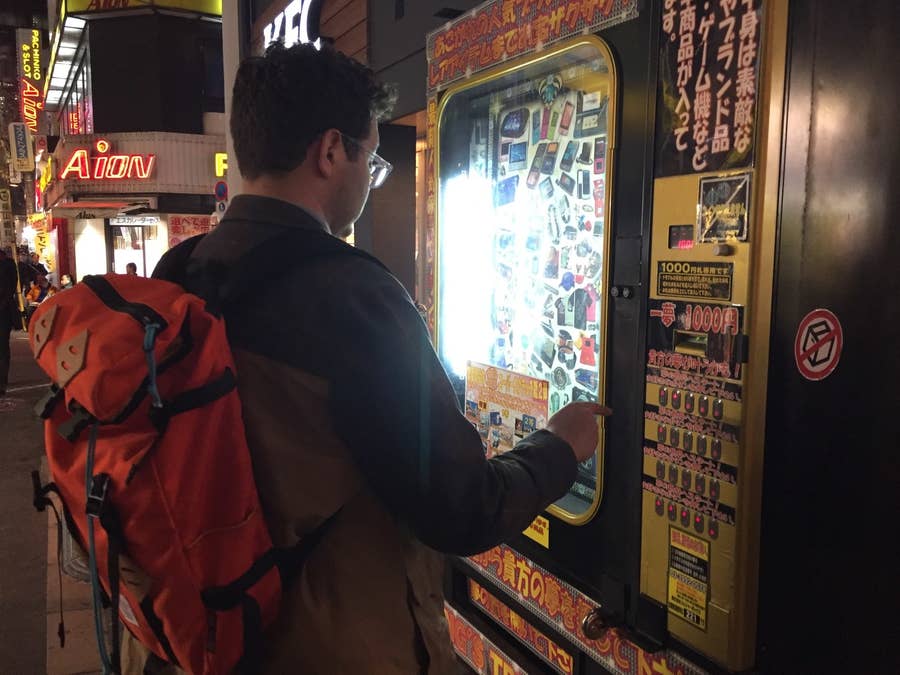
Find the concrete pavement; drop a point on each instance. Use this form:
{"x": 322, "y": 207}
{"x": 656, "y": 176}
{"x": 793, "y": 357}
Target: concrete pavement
{"x": 29, "y": 591}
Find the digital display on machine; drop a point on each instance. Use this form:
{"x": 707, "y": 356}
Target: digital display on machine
{"x": 522, "y": 246}
{"x": 681, "y": 236}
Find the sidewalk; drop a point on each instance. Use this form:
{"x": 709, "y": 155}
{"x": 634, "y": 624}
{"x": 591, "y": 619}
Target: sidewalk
{"x": 79, "y": 656}
{"x": 29, "y": 584}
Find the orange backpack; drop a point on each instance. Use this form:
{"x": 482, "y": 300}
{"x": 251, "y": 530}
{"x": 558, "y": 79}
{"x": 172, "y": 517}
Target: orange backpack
{"x": 146, "y": 447}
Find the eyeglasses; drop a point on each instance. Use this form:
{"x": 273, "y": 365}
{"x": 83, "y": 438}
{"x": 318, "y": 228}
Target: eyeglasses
{"x": 379, "y": 168}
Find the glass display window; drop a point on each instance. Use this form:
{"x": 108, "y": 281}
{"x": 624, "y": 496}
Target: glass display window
{"x": 524, "y": 167}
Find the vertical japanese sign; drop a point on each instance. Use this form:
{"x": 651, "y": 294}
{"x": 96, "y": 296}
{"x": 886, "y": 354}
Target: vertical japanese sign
{"x": 7, "y": 224}
{"x": 707, "y": 98}
{"x": 31, "y": 76}
{"x": 21, "y": 152}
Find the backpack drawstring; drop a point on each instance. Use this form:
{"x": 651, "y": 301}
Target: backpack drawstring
{"x": 92, "y": 551}
{"x": 41, "y": 502}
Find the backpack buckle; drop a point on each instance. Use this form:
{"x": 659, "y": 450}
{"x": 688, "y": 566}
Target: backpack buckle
{"x": 44, "y": 407}
{"x": 78, "y": 422}
{"x": 96, "y": 501}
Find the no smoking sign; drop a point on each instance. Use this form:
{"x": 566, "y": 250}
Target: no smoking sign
{"x": 817, "y": 347}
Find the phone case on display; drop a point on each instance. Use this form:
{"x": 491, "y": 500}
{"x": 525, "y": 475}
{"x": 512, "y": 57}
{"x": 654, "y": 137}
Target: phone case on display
{"x": 545, "y": 122}
{"x": 584, "y": 184}
{"x": 549, "y": 163}
{"x": 504, "y": 151}
{"x": 535, "y": 172}
{"x": 566, "y": 120}
{"x": 584, "y": 157}
{"x": 566, "y": 182}
{"x": 568, "y": 156}
{"x": 554, "y": 118}
{"x": 599, "y": 154}
{"x": 535, "y": 127}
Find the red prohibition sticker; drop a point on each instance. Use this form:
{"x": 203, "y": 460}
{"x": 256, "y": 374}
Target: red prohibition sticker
{"x": 817, "y": 347}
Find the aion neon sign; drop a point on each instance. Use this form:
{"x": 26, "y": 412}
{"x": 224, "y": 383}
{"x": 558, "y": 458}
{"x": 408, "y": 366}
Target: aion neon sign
{"x": 105, "y": 166}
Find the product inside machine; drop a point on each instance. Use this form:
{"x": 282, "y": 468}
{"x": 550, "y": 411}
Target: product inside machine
{"x": 523, "y": 239}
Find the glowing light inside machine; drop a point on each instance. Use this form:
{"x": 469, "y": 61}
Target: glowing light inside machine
{"x": 465, "y": 272}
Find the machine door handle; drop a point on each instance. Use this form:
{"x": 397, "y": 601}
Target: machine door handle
{"x": 594, "y": 624}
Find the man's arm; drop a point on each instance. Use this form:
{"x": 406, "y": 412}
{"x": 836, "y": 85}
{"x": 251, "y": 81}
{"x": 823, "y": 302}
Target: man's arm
{"x": 396, "y": 410}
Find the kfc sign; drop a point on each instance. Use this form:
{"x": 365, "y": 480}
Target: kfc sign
{"x": 299, "y": 22}
{"x": 106, "y": 166}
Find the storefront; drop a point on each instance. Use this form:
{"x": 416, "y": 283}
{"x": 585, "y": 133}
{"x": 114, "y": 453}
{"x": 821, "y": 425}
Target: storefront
{"x": 127, "y": 198}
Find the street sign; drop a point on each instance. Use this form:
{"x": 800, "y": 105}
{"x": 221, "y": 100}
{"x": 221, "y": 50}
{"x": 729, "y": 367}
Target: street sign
{"x": 221, "y": 191}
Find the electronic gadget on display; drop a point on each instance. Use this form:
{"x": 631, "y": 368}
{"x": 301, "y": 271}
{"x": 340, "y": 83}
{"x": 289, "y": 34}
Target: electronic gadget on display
{"x": 518, "y": 158}
{"x": 599, "y": 155}
{"x": 536, "y": 163}
{"x": 568, "y": 156}
{"x": 549, "y": 163}
{"x": 566, "y": 120}
{"x": 566, "y": 182}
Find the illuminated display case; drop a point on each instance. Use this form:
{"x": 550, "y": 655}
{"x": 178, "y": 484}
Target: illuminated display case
{"x": 523, "y": 236}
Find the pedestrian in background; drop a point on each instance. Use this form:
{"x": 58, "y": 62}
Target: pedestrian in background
{"x": 9, "y": 314}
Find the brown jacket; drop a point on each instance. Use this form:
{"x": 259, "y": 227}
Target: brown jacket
{"x": 348, "y": 409}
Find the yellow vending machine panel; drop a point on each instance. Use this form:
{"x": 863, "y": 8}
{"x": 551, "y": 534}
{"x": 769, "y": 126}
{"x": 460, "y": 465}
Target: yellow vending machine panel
{"x": 709, "y": 306}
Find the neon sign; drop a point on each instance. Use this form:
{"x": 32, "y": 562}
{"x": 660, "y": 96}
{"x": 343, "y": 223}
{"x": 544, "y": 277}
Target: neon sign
{"x": 31, "y": 104}
{"x": 286, "y": 25}
{"x": 30, "y": 76}
{"x": 104, "y": 166}
{"x": 221, "y": 159}
{"x": 75, "y": 123}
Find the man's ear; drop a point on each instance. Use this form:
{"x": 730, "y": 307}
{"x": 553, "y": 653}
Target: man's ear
{"x": 330, "y": 152}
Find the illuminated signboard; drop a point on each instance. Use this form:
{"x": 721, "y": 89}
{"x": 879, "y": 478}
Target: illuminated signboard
{"x": 30, "y": 62}
{"x": 213, "y": 7}
{"x": 299, "y": 22}
{"x": 221, "y": 161}
{"x": 106, "y": 166}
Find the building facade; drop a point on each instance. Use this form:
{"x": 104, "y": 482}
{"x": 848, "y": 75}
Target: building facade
{"x": 135, "y": 100}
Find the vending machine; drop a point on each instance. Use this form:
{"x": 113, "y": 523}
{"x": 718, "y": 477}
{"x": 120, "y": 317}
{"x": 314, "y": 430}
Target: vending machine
{"x": 605, "y": 183}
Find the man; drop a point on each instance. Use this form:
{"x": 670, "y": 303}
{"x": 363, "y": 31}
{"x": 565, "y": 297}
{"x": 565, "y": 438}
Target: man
{"x": 131, "y": 269}
{"x": 37, "y": 265}
{"x": 9, "y": 312}
{"x": 347, "y": 408}
{"x": 27, "y": 271}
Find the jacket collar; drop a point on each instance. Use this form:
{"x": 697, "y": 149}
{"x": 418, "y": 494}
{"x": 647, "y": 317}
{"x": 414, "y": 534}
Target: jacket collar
{"x": 275, "y": 211}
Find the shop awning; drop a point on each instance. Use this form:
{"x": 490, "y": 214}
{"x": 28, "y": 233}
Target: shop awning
{"x": 99, "y": 209}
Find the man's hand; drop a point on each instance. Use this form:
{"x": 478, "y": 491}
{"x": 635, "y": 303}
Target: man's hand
{"x": 576, "y": 424}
